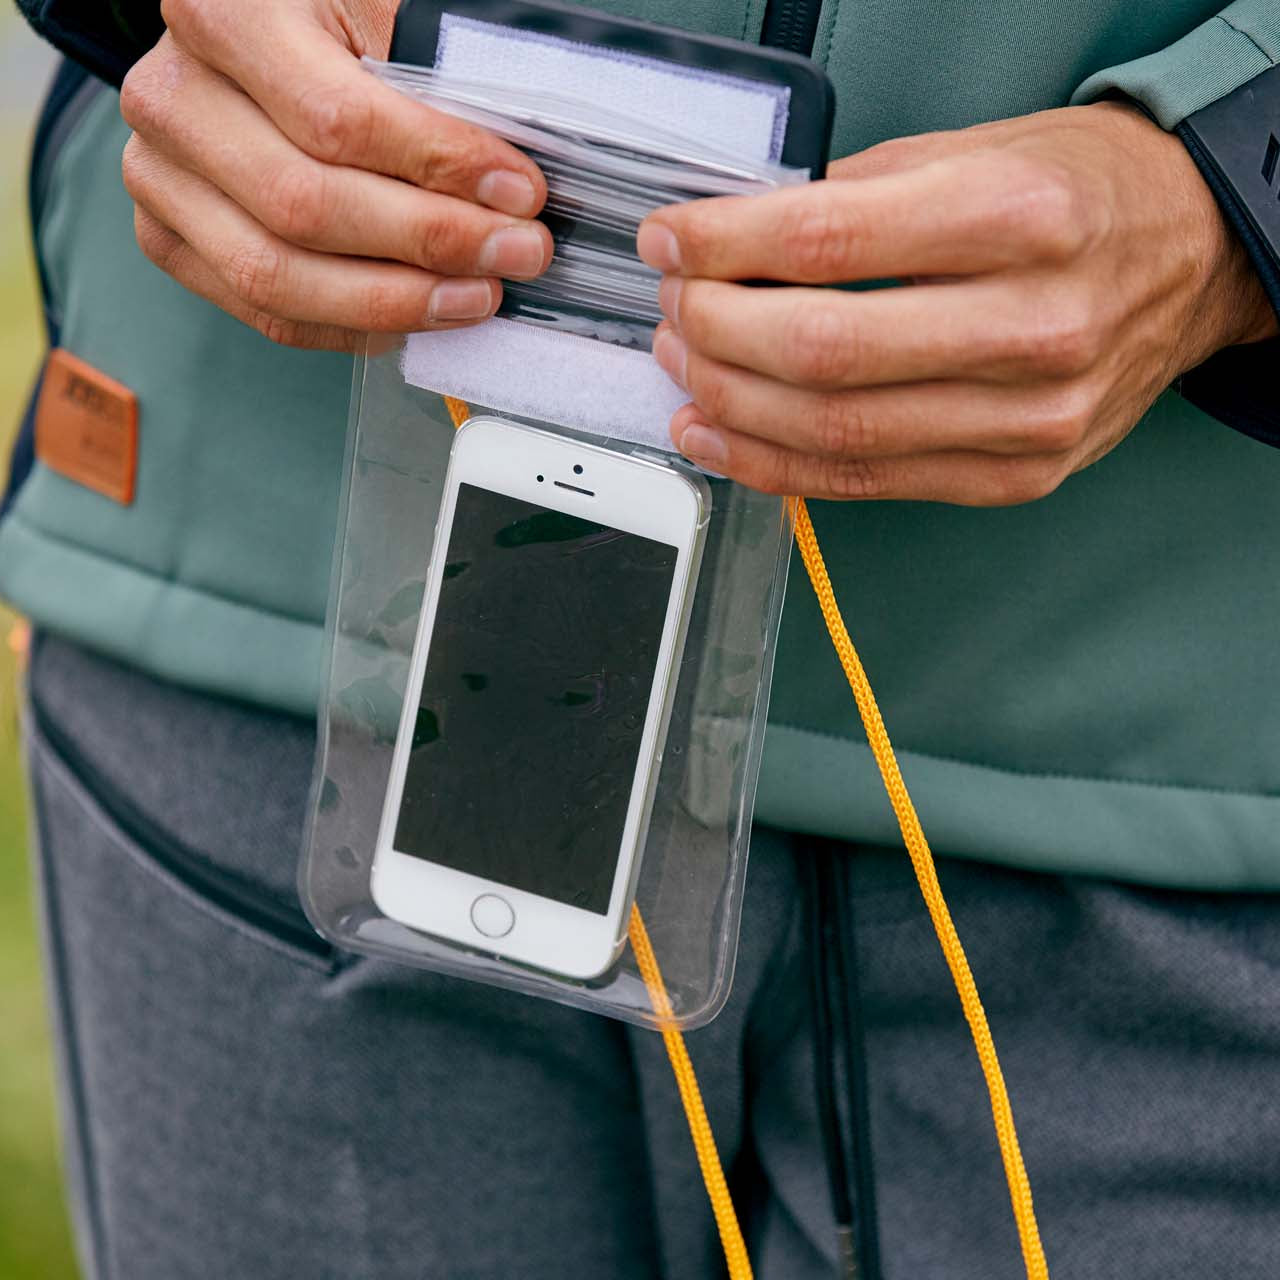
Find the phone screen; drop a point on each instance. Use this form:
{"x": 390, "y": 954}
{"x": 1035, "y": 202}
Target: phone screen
{"x": 537, "y": 686}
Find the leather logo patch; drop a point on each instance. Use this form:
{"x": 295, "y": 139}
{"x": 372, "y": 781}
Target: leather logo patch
{"x": 87, "y": 427}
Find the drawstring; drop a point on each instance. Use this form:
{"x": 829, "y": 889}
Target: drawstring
{"x": 831, "y": 1130}
{"x": 836, "y": 998}
{"x": 922, "y": 861}
{"x": 864, "y": 1198}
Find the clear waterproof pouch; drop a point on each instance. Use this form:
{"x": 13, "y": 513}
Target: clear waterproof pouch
{"x": 550, "y": 638}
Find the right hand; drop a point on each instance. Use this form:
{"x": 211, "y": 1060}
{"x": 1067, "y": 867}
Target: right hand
{"x": 276, "y": 177}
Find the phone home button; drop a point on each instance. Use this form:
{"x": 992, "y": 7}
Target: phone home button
{"x": 492, "y": 915}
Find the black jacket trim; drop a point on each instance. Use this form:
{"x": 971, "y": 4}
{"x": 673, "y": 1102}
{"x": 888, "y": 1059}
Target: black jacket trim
{"x": 57, "y": 116}
{"x": 107, "y": 37}
{"x": 1235, "y": 143}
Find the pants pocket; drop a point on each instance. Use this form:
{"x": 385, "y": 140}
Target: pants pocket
{"x": 244, "y": 1105}
{"x": 185, "y": 1078}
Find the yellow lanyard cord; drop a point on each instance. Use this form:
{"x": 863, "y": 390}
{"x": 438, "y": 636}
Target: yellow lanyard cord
{"x": 926, "y": 873}
{"x": 735, "y": 1250}
{"x": 704, "y": 1142}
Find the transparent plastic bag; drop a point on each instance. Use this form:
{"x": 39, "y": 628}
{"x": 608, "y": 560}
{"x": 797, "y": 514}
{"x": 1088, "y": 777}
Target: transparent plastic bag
{"x": 422, "y": 766}
{"x": 693, "y": 861}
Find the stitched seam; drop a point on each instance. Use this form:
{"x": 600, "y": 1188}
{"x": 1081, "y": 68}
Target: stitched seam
{"x": 73, "y": 1058}
{"x": 60, "y": 540}
{"x": 1232, "y": 27}
{"x": 831, "y": 31}
{"x": 151, "y": 869}
{"x": 1049, "y": 775}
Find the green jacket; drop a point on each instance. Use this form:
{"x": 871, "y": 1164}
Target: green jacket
{"x": 1084, "y": 684}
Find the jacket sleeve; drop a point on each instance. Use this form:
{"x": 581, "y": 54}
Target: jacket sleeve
{"x": 105, "y": 36}
{"x": 1218, "y": 89}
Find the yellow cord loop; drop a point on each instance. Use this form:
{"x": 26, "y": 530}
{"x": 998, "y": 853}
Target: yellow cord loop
{"x": 735, "y": 1250}
{"x": 926, "y": 873}
{"x": 459, "y": 410}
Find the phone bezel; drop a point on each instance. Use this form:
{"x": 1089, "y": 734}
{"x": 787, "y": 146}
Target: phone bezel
{"x": 629, "y": 493}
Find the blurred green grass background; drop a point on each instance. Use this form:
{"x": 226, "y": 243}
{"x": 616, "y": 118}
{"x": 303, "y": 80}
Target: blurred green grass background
{"x": 34, "y": 1234}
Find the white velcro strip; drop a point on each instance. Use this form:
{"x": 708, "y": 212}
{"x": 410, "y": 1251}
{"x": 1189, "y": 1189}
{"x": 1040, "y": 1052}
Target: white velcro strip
{"x": 743, "y": 117}
{"x": 543, "y": 373}
{"x": 562, "y": 377}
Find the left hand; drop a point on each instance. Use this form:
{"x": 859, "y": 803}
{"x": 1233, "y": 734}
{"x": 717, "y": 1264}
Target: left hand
{"x": 1062, "y": 269}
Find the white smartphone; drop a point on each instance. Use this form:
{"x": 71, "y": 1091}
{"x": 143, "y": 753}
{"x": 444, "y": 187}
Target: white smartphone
{"x": 553, "y": 621}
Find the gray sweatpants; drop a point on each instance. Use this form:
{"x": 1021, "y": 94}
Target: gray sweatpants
{"x": 240, "y": 1101}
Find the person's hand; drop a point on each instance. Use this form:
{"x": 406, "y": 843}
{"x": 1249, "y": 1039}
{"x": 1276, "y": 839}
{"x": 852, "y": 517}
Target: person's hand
{"x": 280, "y": 180}
{"x": 1064, "y": 268}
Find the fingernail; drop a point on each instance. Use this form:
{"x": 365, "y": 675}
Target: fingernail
{"x": 508, "y": 192}
{"x": 460, "y": 300}
{"x": 671, "y": 353}
{"x": 658, "y": 246}
{"x": 703, "y": 444}
{"x": 513, "y": 251}
{"x": 669, "y": 292}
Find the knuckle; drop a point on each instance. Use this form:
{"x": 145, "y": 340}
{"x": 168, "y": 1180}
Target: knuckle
{"x": 819, "y": 343}
{"x": 182, "y": 15}
{"x": 764, "y": 470}
{"x": 1063, "y": 341}
{"x": 294, "y": 203}
{"x": 1045, "y": 207}
{"x": 887, "y": 157}
{"x": 763, "y": 479}
{"x": 1014, "y": 482}
{"x": 1062, "y": 423}
{"x": 697, "y": 228}
{"x": 843, "y": 427}
{"x": 852, "y": 478}
{"x": 1074, "y": 348}
{"x": 284, "y": 333}
{"x": 384, "y": 309}
{"x": 339, "y": 122}
{"x": 255, "y": 273}
{"x": 781, "y": 474}
{"x": 142, "y": 93}
{"x": 133, "y": 93}
{"x": 710, "y": 390}
{"x": 201, "y": 26}
{"x": 441, "y": 243}
{"x": 304, "y": 336}
{"x": 817, "y": 237}
{"x": 700, "y": 321}
{"x": 447, "y": 165}
{"x": 133, "y": 167}
{"x": 158, "y": 244}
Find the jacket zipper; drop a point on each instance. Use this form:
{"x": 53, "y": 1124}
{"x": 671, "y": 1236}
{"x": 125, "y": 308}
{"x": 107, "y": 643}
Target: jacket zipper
{"x": 791, "y": 25}
{"x": 223, "y": 889}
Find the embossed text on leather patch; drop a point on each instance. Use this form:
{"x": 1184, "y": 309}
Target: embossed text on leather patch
{"x": 87, "y": 427}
